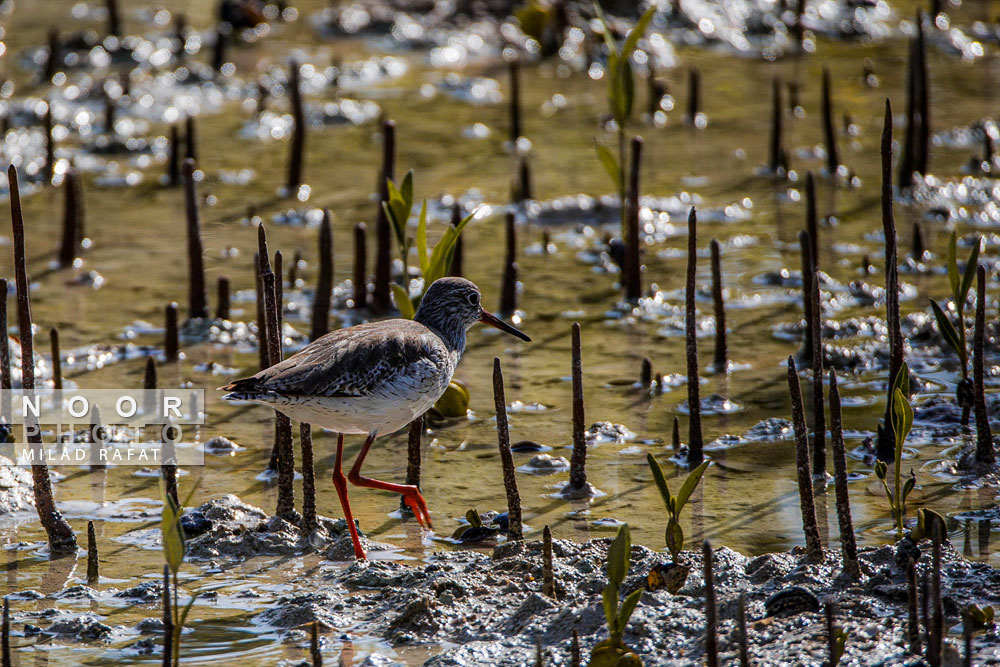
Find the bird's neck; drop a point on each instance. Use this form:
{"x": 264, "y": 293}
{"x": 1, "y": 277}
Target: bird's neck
{"x": 452, "y": 335}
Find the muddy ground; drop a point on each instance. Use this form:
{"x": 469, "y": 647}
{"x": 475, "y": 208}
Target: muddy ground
{"x": 487, "y": 607}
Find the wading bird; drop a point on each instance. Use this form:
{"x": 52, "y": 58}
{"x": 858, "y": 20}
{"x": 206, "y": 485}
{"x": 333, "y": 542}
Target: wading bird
{"x": 375, "y": 378}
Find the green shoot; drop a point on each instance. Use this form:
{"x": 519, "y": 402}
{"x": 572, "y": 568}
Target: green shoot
{"x": 927, "y": 519}
{"x": 976, "y": 619}
{"x": 902, "y": 422}
{"x": 960, "y": 284}
{"x": 674, "y": 532}
{"x": 434, "y": 264}
{"x": 621, "y": 99}
{"x": 612, "y": 652}
{"x": 174, "y": 548}
{"x": 840, "y": 636}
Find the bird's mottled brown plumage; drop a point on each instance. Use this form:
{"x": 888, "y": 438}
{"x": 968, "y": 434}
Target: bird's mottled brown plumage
{"x": 375, "y": 377}
{"x": 353, "y": 363}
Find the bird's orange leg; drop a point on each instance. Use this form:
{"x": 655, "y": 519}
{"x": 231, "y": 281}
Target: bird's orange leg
{"x": 411, "y": 494}
{"x": 340, "y": 483}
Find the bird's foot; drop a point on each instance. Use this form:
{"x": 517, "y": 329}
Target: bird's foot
{"x": 359, "y": 552}
{"x": 418, "y": 506}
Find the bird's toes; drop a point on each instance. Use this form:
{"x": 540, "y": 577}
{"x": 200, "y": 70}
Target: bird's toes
{"x": 418, "y": 506}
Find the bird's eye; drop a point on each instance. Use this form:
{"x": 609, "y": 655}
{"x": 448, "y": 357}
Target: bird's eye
{"x": 473, "y": 299}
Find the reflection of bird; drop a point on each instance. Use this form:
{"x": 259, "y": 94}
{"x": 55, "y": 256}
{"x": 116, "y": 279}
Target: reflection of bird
{"x": 375, "y": 378}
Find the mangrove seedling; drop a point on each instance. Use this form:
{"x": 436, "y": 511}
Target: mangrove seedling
{"x": 902, "y": 421}
{"x": 433, "y": 265}
{"x": 927, "y": 522}
{"x": 612, "y": 651}
{"x": 621, "y": 97}
{"x": 475, "y": 531}
{"x": 974, "y": 619}
{"x": 977, "y": 619}
{"x": 836, "y": 639}
{"x": 174, "y": 548}
{"x": 954, "y": 333}
{"x": 673, "y": 575}
{"x": 674, "y": 533}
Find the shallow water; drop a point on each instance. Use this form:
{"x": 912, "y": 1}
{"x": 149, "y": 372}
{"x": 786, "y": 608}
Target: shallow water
{"x": 748, "y": 499}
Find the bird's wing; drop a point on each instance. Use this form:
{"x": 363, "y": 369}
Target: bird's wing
{"x": 352, "y": 362}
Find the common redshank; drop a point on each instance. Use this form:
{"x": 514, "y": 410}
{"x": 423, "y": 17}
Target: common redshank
{"x": 375, "y": 378}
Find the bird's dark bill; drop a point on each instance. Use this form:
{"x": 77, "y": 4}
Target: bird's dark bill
{"x": 496, "y": 322}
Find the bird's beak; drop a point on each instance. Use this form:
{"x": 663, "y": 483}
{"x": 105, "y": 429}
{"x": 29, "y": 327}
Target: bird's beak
{"x": 495, "y": 322}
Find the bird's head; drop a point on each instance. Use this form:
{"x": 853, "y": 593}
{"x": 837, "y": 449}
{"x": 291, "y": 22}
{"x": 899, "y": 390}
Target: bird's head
{"x": 455, "y": 304}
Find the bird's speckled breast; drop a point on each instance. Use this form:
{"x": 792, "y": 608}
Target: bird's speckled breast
{"x": 391, "y": 407}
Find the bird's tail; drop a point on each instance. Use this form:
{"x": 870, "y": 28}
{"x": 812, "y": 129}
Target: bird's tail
{"x": 250, "y": 385}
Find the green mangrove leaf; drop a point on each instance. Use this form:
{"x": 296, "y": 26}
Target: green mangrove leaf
{"x": 393, "y": 192}
{"x": 902, "y": 419}
{"x": 403, "y": 303}
{"x": 395, "y": 213}
{"x": 627, "y": 83}
{"x": 630, "y": 659}
{"x": 947, "y": 329}
{"x": 422, "y": 240}
{"x": 444, "y": 251}
{"x": 397, "y": 208}
{"x": 179, "y": 626}
{"x": 919, "y": 531}
{"x": 909, "y": 485}
{"x": 627, "y": 607}
{"x": 609, "y": 39}
{"x": 605, "y": 656}
{"x": 881, "y": 469}
{"x": 187, "y": 499}
{"x": 187, "y": 608}
{"x": 674, "y": 537}
{"x": 636, "y": 33}
{"x": 604, "y": 643}
{"x": 472, "y": 516}
{"x": 618, "y": 556}
{"x": 661, "y": 482}
{"x": 616, "y": 93}
{"x": 690, "y": 484}
{"x": 839, "y": 644}
{"x": 970, "y": 269}
{"x": 953, "y": 278}
{"x": 902, "y": 380}
{"x": 610, "y": 163}
{"x": 449, "y": 254}
{"x": 926, "y": 520}
{"x": 609, "y": 599}
{"x": 172, "y": 533}
{"x": 406, "y": 192}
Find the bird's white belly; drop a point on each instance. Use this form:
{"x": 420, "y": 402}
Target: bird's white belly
{"x": 384, "y": 414}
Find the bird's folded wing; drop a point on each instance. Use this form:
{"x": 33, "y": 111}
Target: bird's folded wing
{"x": 354, "y": 362}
